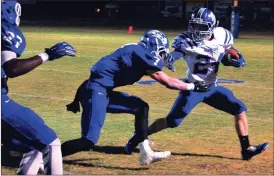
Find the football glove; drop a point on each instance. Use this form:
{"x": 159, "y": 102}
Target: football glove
{"x": 169, "y": 62}
{"x": 200, "y": 86}
{"x": 59, "y": 50}
{"x": 188, "y": 41}
{"x": 73, "y": 107}
{"x": 231, "y": 61}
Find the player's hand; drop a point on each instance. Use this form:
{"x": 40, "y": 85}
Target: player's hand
{"x": 73, "y": 107}
{"x": 200, "y": 86}
{"x": 188, "y": 41}
{"x": 59, "y": 50}
{"x": 169, "y": 62}
{"x": 237, "y": 62}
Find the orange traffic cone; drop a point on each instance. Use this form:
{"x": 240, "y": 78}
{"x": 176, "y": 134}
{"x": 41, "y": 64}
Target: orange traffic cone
{"x": 130, "y": 29}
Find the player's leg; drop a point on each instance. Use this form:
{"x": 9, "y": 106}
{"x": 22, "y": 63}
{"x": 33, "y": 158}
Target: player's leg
{"x": 94, "y": 105}
{"x": 14, "y": 145}
{"x": 223, "y": 99}
{"x": 182, "y": 106}
{"x": 121, "y": 102}
{"x": 23, "y": 124}
{"x": 184, "y": 103}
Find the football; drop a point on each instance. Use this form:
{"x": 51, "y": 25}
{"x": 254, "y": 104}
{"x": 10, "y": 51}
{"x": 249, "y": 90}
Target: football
{"x": 232, "y": 54}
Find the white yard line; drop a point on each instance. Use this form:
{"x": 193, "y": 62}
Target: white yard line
{"x": 62, "y": 71}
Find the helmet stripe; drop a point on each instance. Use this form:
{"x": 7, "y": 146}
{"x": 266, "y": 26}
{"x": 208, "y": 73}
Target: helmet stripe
{"x": 226, "y": 36}
{"x": 229, "y": 36}
{"x": 201, "y": 12}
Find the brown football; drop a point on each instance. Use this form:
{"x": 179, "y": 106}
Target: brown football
{"x": 232, "y": 53}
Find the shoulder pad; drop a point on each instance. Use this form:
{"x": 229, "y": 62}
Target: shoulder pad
{"x": 223, "y": 36}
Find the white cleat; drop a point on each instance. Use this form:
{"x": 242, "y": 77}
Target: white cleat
{"x": 148, "y": 156}
{"x": 150, "y": 143}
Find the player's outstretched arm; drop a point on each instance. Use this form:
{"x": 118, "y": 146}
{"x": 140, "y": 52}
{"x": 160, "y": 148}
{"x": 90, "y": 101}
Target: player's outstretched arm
{"x": 173, "y": 83}
{"x": 16, "y": 67}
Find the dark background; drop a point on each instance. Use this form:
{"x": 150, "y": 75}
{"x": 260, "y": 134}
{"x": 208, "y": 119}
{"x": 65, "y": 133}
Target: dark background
{"x": 255, "y": 15}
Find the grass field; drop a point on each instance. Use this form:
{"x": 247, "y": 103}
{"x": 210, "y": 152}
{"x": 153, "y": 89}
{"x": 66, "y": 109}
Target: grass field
{"x": 206, "y": 143}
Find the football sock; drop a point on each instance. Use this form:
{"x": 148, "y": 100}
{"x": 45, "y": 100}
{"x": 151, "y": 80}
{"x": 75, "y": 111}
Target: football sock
{"x": 30, "y": 163}
{"x": 52, "y": 157}
{"x": 76, "y": 145}
{"x": 244, "y": 142}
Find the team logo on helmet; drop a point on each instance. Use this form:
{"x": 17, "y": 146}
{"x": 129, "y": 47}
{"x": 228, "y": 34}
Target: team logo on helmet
{"x": 156, "y": 42}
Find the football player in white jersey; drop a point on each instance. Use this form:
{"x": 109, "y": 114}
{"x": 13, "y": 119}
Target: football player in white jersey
{"x": 203, "y": 47}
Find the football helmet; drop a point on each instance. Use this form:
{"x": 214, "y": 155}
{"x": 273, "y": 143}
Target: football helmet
{"x": 11, "y": 12}
{"x": 201, "y": 24}
{"x": 156, "y": 42}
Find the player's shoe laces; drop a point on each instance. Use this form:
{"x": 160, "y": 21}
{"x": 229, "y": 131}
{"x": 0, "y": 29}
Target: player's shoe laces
{"x": 253, "y": 150}
{"x": 148, "y": 156}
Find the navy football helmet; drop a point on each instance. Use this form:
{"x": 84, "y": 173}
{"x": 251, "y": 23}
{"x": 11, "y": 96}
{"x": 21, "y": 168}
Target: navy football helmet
{"x": 11, "y": 12}
{"x": 156, "y": 42}
{"x": 201, "y": 24}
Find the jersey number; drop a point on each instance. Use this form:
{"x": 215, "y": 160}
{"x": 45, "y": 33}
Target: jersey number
{"x": 204, "y": 68}
{"x": 156, "y": 60}
{"x": 10, "y": 37}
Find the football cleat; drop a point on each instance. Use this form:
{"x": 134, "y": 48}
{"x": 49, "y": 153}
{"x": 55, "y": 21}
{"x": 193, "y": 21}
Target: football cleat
{"x": 132, "y": 144}
{"x": 253, "y": 150}
{"x": 148, "y": 156}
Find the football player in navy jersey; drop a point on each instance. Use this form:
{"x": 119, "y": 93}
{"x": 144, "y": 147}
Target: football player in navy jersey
{"x": 125, "y": 66}
{"x": 203, "y": 47}
{"x": 20, "y": 124}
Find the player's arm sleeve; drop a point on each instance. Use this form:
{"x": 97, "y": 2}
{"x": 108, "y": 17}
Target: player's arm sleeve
{"x": 177, "y": 54}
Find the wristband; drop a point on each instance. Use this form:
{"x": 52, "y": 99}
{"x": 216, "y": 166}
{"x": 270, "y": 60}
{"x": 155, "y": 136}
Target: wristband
{"x": 190, "y": 86}
{"x": 44, "y": 56}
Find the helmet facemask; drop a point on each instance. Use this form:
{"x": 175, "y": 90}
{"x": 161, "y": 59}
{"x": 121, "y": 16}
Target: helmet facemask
{"x": 160, "y": 50}
{"x": 200, "y": 30}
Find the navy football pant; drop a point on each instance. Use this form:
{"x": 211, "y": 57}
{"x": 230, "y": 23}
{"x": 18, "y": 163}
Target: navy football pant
{"x": 21, "y": 124}
{"x": 218, "y": 97}
{"x": 96, "y": 102}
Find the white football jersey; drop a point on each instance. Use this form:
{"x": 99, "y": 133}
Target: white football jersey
{"x": 203, "y": 60}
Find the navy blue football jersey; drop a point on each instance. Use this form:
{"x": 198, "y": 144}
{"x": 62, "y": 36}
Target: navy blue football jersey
{"x": 12, "y": 39}
{"x": 125, "y": 66}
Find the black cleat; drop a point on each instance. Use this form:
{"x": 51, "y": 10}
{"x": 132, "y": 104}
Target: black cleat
{"x": 253, "y": 150}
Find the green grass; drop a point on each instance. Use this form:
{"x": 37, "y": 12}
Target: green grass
{"x": 206, "y": 143}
